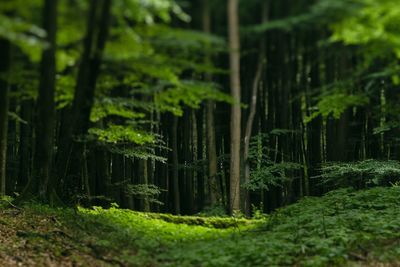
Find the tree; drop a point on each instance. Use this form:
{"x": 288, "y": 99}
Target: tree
{"x": 210, "y": 110}
{"x": 45, "y": 122}
{"x": 253, "y": 108}
{"x": 175, "y": 166}
{"x": 77, "y": 118}
{"x": 4, "y": 100}
{"x": 235, "y": 127}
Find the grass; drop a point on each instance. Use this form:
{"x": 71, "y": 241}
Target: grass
{"x": 343, "y": 228}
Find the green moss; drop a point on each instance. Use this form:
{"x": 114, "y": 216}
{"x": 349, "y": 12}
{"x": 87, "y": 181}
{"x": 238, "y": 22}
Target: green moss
{"x": 212, "y": 222}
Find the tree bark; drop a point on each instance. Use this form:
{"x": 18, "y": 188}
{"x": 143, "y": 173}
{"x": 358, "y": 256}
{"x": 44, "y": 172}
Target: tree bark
{"x": 210, "y": 109}
{"x": 252, "y": 112}
{"x": 25, "y": 146}
{"x": 200, "y": 149}
{"x": 4, "y": 102}
{"x": 12, "y": 145}
{"x": 77, "y": 118}
{"x": 234, "y": 54}
{"x": 45, "y": 121}
{"x": 175, "y": 165}
{"x": 144, "y": 177}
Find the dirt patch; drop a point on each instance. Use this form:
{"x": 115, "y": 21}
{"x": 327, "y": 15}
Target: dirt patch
{"x": 28, "y": 239}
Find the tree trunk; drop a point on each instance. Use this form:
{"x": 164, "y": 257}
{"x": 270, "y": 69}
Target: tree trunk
{"x": 252, "y": 112}
{"x": 234, "y": 46}
{"x": 45, "y": 121}
{"x": 200, "y": 149}
{"x": 76, "y": 120}
{"x": 210, "y": 109}
{"x": 175, "y": 165}
{"x": 4, "y": 101}
{"x": 12, "y": 146}
{"x": 144, "y": 179}
{"x": 25, "y": 147}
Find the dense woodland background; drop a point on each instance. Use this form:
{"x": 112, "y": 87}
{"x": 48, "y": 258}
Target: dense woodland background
{"x": 201, "y": 105}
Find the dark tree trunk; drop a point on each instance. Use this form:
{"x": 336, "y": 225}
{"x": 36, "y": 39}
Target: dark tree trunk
{"x": 76, "y": 119}
{"x": 314, "y": 148}
{"x": 45, "y": 121}
{"x": 4, "y": 101}
{"x": 25, "y": 147}
{"x": 200, "y": 149}
{"x": 175, "y": 165}
{"x": 12, "y": 147}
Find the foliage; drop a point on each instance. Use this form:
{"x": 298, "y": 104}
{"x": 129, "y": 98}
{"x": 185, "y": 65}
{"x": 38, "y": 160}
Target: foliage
{"x": 271, "y": 174}
{"x": 149, "y": 10}
{"x": 189, "y": 93}
{"x": 142, "y": 152}
{"x": 114, "y": 107}
{"x": 149, "y": 192}
{"x": 344, "y": 227}
{"x": 265, "y": 172}
{"x": 323, "y": 12}
{"x": 336, "y": 104}
{"x": 386, "y": 127}
{"x": 5, "y": 201}
{"x": 20, "y": 30}
{"x": 375, "y": 25}
{"x": 118, "y": 133}
{"x": 361, "y": 174}
{"x": 213, "y": 211}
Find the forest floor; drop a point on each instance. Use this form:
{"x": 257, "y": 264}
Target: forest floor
{"x": 343, "y": 228}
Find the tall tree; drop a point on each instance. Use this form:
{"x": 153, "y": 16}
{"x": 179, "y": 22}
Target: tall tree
{"x": 4, "y": 102}
{"x": 45, "y": 104}
{"x": 76, "y": 119}
{"x": 234, "y": 55}
{"x": 210, "y": 110}
{"x": 175, "y": 165}
{"x": 253, "y": 109}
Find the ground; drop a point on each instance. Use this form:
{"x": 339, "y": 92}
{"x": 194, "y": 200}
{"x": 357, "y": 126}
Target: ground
{"x": 343, "y": 228}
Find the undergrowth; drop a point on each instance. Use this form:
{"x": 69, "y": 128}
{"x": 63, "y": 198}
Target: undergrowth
{"x": 343, "y": 228}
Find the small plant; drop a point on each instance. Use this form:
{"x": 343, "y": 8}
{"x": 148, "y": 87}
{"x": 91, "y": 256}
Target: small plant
{"x": 237, "y": 214}
{"x": 257, "y": 212}
{"x": 5, "y": 201}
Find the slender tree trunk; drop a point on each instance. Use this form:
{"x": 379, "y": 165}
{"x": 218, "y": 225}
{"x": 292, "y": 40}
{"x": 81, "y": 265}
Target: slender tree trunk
{"x": 189, "y": 172}
{"x": 144, "y": 177}
{"x": 175, "y": 165}
{"x": 195, "y": 159}
{"x": 25, "y": 147}
{"x": 4, "y": 102}
{"x": 200, "y": 149}
{"x": 314, "y": 148}
{"x": 210, "y": 109}
{"x": 12, "y": 146}
{"x": 248, "y": 132}
{"x": 234, "y": 46}
{"x": 212, "y": 153}
{"x": 252, "y": 112}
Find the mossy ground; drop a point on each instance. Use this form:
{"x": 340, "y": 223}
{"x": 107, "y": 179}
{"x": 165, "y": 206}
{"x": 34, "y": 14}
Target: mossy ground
{"x": 343, "y": 228}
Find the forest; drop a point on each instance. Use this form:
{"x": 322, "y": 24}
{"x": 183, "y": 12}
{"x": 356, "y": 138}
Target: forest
{"x": 199, "y": 133}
